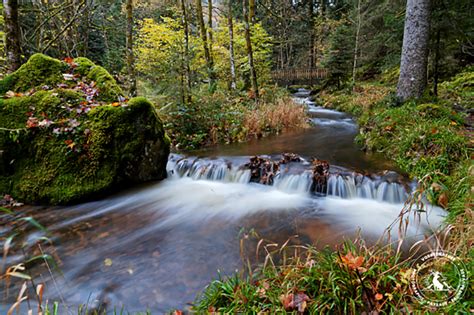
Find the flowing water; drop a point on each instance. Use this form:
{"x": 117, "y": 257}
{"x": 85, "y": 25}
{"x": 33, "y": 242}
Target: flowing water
{"x": 156, "y": 246}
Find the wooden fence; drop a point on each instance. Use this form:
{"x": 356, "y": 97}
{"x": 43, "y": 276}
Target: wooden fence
{"x": 301, "y": 76}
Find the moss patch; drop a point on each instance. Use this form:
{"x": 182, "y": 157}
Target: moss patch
{"x": 64, "y": 144}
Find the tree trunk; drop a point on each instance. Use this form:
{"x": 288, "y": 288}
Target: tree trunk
{"x": 436, "y": 63}
{"x": 414, "y": 60}
{"x": 233, "y": 84}
{"x": 252, "y": 11}
{"x": 253, "y": 73}
{"x": 356, "y": 46}
{"x": 311, "y": 34}
{"x": 130, "y": 57}
{"x": 187, "y": 70}
{"x": 207, "y": 54}
{"x": 12, "y": 35}
{"x": 209, "y": 29}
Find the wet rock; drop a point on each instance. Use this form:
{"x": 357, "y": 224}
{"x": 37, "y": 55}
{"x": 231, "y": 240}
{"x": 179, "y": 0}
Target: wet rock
{"x": 262, "y": 170}
{"x": 290, "y": 157}
{"x": 320, "y": 170}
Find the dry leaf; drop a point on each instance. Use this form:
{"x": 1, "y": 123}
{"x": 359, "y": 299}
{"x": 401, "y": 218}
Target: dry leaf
{"x": 443, "y": 200}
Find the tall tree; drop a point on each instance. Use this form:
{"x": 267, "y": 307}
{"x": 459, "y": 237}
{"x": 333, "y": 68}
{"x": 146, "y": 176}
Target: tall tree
{"x": 130, "y": 57}
{"x": 414, "y": 60}
{"x": 233, "y": 84}
{"x": 311, "y": 34}
{"x": 12, "y": 34}
{"x": 209, "y": 28}
{"x": 356, "y": 44}
{"x": 207, "y": 54}
{"x": 186, "y": 93}
{"x": 253, "y": 73}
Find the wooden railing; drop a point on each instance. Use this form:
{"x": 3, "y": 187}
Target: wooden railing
{"x": 299, "y": 75}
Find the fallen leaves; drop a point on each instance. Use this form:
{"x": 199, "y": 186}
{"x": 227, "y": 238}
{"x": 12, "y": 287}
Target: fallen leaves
{"x": 296, "y": 301}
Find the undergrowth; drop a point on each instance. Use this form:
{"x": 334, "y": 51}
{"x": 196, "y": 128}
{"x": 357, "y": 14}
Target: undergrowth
{"x": 224, "y": 118}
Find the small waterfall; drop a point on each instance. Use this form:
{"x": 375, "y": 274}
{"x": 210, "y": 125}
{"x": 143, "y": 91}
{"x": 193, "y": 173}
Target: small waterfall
{"x": 300, "y": 183}
{"x": 288, "y": 179}
{"x": 214, "y": 170}
{"x": 350, "y": 186}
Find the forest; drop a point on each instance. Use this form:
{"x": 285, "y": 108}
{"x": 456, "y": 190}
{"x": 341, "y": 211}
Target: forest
{"x": 224, "y": 156}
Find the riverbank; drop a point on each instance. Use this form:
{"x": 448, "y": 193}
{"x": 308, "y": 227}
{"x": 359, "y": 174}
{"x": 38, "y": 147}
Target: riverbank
{"x": 429, "y": 139}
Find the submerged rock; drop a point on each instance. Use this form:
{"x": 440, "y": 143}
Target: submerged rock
{"x": 67, "y": 134}
{"x": 320, "y": 175}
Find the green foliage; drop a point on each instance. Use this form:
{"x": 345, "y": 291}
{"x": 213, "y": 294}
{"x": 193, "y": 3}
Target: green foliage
{"x": 339, "y": 58}
{"x": 220, "y": 118}
{"x": 460, "y": 89}
{"x": 351, "y": 280}
{"x": 160, "y": 53}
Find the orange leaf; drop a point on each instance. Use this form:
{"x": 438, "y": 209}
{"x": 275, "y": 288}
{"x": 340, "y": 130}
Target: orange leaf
{"x": 353, "y": 262}
{"x": 115, "y": 104}
{"x": 443, "y": 200}
{"x": 378, "y": 296}
{"x": 69, "y": 143}
{"x": 68, "y": 60}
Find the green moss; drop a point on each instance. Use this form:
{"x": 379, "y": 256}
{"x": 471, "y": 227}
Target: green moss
{"x": 108, "y": 88}
{"x": 107, "y": 149}
{"x": 38, "y": 71}
{"x": 84, "y": 65}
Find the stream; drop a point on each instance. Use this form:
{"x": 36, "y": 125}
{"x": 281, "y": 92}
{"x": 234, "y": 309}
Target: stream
{"x": 156, "y": 246}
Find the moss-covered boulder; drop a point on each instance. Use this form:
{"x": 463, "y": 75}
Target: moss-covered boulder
{"x": 67, "y": 134}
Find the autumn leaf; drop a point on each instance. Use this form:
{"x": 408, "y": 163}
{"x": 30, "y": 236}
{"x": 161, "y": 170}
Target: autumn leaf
{"x": 70, "y": 143}
{"x": 68, "y": 77}
{"x": 436, "y": 187}
{"x": 443, "y": 200}
{"x": 379, "y": 296}
{"x": 353, "y": 262}
{"x": 10, "y": 94}
{"x": 68, "y": 60}
{"x": 32, "y": 122}
{"x": 115, "y": 104}
{"x": 294, "y": 301}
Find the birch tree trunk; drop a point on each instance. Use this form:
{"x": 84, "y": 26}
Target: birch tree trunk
{"x": 129, "y": 45}
{"x": 12, "y": 35}
{"x": 414, "y": 60}
{"x": 233, "y": 84}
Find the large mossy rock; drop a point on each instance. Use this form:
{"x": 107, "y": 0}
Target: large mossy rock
{"x": 67, "y": 135}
